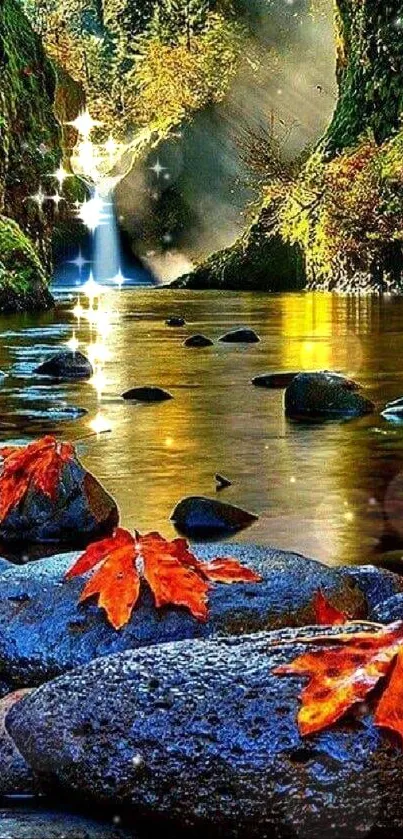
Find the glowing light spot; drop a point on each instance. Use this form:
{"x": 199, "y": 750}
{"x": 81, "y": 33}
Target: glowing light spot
{"x": 73, "y": 344}
{"x": 100, "y": 424}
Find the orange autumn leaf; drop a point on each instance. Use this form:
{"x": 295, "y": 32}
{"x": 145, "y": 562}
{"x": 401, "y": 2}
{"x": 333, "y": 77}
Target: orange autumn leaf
{"x": 175, "y": 576}
{"x": 325, "y": 613}
{"x": 38, "y": 464}
{"x": 344, "y": 673}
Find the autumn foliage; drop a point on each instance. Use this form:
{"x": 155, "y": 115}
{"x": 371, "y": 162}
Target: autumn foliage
{"x": 325, "y": 613}
{"x": 344, "y": 671}
{"x": 174, "y": 575}
{"x": 37, "y": 465}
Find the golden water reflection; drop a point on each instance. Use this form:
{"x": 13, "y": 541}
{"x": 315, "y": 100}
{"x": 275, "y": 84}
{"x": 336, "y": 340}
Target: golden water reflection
{"x": 318, "y": 489}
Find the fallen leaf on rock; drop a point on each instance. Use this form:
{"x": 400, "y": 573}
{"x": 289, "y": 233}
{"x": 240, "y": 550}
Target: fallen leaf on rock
{"x": 175, "y": 575}
{"x": 344, "y": 671}
{"x": 38, "y": 464}
{"x": 325, "y": 613}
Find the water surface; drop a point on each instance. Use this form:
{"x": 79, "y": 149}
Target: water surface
{"x": 318, "y": 489}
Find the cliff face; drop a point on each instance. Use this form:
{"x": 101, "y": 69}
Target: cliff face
{"x": 29, "y": 151}
{"x": 344, "y": 214}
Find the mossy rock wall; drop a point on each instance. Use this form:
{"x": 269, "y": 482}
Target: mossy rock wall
{"x": 30, "y": 149}
{"x": 23, "y": 282}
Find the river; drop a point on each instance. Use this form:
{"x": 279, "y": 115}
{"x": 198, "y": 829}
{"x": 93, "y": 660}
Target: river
{"x": 319, "y": 489}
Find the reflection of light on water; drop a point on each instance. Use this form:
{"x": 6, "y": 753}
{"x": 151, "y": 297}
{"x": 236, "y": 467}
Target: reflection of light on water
{"x": 73, "y": 344}
{"x": 100, "y": 424}
{"x": 168, "y": 442}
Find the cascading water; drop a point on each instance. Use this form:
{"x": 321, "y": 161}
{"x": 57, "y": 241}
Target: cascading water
{"x": 106, "y": 257}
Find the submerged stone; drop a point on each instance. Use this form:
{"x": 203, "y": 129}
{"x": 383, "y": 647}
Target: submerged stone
{"x": 15, "y": 775}
{"x": 273, "y": 380}
{"x": 66, "y": 365}
{"x": 80, "y": 511}
{"x": 147, "y": 394}
{"x": 202, "y": 736}
{"x": 241, "y": 335}
{"x": 45, "y": 631}
{"x": 175, "y": 321}
{"x": 206, "y": 518}
{"x": 325, "y": 395}
{"x": 198, "y": 341}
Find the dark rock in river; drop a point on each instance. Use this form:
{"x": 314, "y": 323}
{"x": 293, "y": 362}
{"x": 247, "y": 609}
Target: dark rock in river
{"x": 198, "y": 341}
{"x": 202, "y": 736}
{"x": 15, "y": 775}
{"x": 393, "y": 411}
{"x": 24, "y": 823}
{"x": 44, "y": 631}
{"x": 81, "y": 511}
{"x": 206, "y": 518}
{"x": 175, "y": 321}
{"x": 241, "y": 335}
{"x": 147, "y": 394}
{"x": 66, "y": 365}
{"x": 325, "y": 395}
{"x": 273, "y": 380}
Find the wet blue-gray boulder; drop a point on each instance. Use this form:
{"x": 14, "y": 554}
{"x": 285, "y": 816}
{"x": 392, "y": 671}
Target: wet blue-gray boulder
{"x": 80, "y": 511}
{"x": 198, "y": 341}
{"x": 240, "y": 335}
{"x": 393, "y": 411}
{"x": 16, "y": 777}
{"x": 147, "y": 394}
{"x": 389, "y": 610}
{"x": 175, "y": 320}
{"x": 273, "y": 381}
{"x": 66, "y": 365}
{"x": 207, "y": 518}
{"x": 37, "y": 823}
{"x": 203, "y": 737}
{"x": 45, "y": 631}
{"x": 325, "y": 395}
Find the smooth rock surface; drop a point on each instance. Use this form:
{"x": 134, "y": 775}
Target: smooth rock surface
{"x": 15, "y": 774}
{"x": 393, "y": 411}
{"x": 26, "y": 823}
{"x": 66, "y": 365}
{"x": 273, "y": 380}
{"x": 81, "y": 511}
{"x": 240, "y": 335}
{"x": 147, "y": 394}
{"x": 325, "y": 395}
{"x": 203, "y": 736}
{"x": 44, "y": 631}
{"x": 205, "y": 518}
{"x": 198, "y": 341}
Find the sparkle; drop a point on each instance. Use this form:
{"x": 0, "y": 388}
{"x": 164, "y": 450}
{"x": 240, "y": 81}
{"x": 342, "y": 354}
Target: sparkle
{"x": 91, "y": 213}
{"x": 79, "y": 261}
{"x": 78, "y": 310}
{"x": 60, "y": 175}
{"x": 56, "y": 198}
{"x": 39, "y": 198}
{"x": 73, "y": 344}
{"x": 157, "y": 168}
{"x": 91, "y": 289}
{"x": 84, "y": 123}
{"x": 100, "y": 424}
{"x": 118, "y": 279}
{"x": 111, "y": 146}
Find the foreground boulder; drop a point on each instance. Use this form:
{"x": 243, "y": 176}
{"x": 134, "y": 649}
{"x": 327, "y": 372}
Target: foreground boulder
{"x": 25, "y": 823}
{"x": 198, "y": 341}
{"x": 241, "y": 335}
{"x": 15, "y": 776}
{"x": 206, "y": 518}
{"x": 80, "y": 512}
{"x": 203, "y": 737}
{"x": 325, "y": 395}
{"x": 66, "y": 365}
{"x": 147, "y": 394}
{"x": 44, "y": 631}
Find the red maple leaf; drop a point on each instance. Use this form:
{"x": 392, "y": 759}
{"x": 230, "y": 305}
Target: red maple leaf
{"x": 344, "y": 670}
{"x": 175, "y": 576}
{"x": 325, "y": 613}
{"x": 38, "y": 464}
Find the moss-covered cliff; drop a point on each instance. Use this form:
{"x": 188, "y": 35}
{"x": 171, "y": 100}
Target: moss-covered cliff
{"x": 344, "y": 213}
{"x": 29, "y": 151}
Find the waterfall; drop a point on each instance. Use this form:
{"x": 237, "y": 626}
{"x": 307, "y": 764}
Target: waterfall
{"x": 106, "y": 250}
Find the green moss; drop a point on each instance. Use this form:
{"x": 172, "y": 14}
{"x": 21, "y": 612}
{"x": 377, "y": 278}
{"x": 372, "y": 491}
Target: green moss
{"x": 23, "y": 281}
